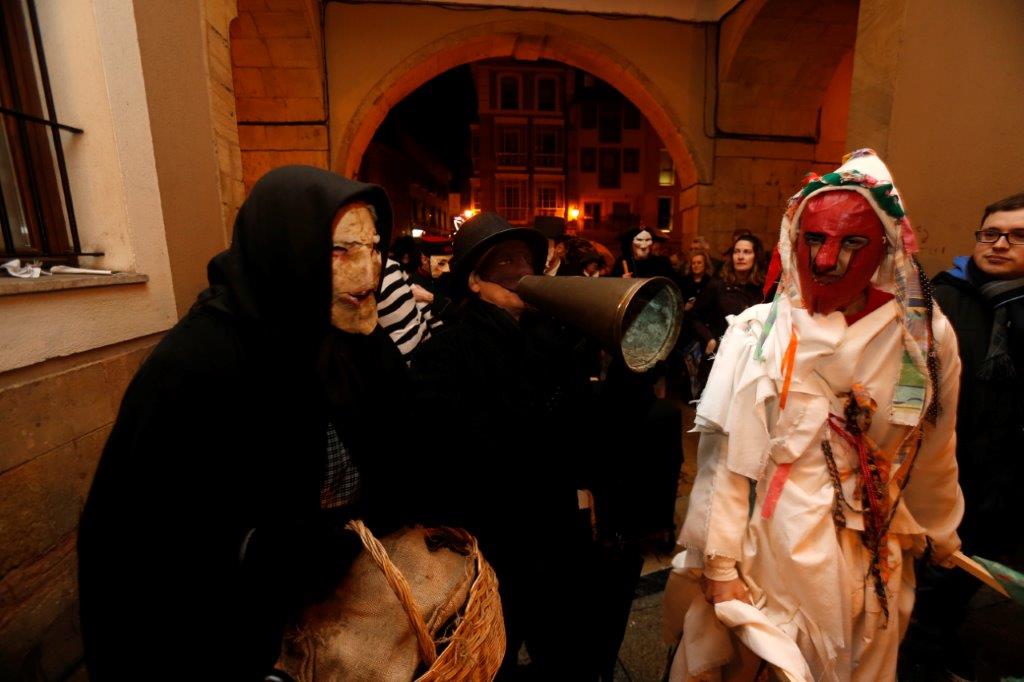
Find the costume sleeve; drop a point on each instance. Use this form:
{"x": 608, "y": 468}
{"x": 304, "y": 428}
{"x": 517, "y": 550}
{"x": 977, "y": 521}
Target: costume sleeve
{"x": 933, "y": 494}
{"x": 716, "y": 519}
{"x": 397, "y": 311}
{"x": 720, "y": 501}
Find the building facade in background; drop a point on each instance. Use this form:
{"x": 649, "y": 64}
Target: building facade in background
{"x": 554, "y": 140}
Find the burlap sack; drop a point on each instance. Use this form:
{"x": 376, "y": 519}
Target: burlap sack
{"x": 362, "y": 632}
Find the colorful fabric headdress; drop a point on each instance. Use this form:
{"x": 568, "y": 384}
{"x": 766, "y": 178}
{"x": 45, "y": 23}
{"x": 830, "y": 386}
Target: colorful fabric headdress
{"x": 899, "y": 274}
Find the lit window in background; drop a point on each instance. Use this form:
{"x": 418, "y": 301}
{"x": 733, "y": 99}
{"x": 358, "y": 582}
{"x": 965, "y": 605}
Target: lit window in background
{"x": 666, "y": 170}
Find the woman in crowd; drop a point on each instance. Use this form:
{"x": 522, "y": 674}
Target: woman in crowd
{"x": 697, "y": 274}
{"x": 738, "y": 288}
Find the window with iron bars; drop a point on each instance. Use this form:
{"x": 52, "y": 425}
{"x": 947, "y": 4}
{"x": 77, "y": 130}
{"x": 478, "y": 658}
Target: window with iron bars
{"x": 549, "y": 199}
{"x": 547, "y": 147}
{"x": 37, "y": 218}
{"x": 512, "y": 200}
{"x": 511, "y": 146}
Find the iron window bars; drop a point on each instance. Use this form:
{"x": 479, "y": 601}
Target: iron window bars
{"x": 31, "y": 164}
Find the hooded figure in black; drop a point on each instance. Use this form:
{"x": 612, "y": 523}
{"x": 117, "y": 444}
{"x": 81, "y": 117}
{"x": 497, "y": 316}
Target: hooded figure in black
{"x": 243, "y": 444}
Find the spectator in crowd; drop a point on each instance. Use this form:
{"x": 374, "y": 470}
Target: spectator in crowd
{"x": 246, "y": 440}
{"x": 413, "y": 261}
{"x": 699, "y": 243}
{"x": 553, "y": 228}
{"x": 405, "y": 310}
{"x": 637, "y": 259}
{"x": 581, "y": 259}
{"x": 696, "y": 277}
{"x": 738, "y": 288}
{"x": 983, "y": 297}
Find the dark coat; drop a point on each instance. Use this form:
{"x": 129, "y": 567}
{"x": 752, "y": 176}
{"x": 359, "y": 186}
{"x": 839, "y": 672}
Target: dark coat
{"x": 511, "y": 401}
{"x": 718, "y": 300}
{"x": 202, "y": 533}
{"x": 989, "y": 428}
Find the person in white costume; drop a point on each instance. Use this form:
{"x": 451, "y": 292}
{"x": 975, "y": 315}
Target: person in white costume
{"x": 838, "y": 400}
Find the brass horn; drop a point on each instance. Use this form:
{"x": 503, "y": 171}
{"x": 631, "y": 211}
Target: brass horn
{"x": 639, "y": 319}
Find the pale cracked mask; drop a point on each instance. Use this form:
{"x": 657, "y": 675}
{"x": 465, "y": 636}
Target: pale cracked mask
{"x": 642, "y": 245}
{"x": 355, "y": 269}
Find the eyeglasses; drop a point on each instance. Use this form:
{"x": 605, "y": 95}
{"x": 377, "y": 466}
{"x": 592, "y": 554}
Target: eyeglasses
{"x": 991, "y": 235}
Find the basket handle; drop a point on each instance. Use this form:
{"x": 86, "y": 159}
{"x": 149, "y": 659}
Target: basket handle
{"x": 400, "y": 586}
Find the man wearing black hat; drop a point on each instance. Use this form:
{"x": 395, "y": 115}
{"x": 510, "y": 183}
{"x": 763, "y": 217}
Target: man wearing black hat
{"x": 503, "y": 379}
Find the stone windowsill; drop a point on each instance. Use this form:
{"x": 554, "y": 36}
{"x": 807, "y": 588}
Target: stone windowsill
{"x": 10, "y": 286}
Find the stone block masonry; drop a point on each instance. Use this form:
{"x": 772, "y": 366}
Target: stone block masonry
{"x": 54, "y": 421}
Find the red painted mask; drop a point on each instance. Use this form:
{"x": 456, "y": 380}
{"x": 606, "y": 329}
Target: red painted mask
{"x": 841, "y": 243}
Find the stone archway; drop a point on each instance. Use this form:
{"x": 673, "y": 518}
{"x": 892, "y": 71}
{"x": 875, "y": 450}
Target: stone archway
{"x": 528, "y": 41}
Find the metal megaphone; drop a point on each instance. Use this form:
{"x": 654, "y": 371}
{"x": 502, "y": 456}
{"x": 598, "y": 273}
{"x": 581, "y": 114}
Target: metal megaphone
{"x": 639, "y": 319}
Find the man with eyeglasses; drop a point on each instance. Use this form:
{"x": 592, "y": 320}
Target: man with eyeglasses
{"x": 983, "y": 297}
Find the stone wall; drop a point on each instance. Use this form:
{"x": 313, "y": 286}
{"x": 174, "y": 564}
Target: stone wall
{"x": 56, "y": 418}
{"x": 277, "y": 62}
{"x": 218, "y": 16}
{"x": 937, "y": 92}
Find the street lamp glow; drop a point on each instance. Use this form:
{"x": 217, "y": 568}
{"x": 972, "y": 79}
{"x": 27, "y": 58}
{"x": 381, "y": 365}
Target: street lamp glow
{"x": 574, "y": 213}
{"x": 469, "y": 213}
{"x": 417, "y": 232}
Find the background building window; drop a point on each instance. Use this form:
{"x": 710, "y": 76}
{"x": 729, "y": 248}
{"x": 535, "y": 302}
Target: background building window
{"x": 511, "y": 146}
{"x": 547, "y": 149}
{"x": 511, "y": 200}
{"x": 508, "y": 92}
{"x": 665, "y": 213}
{"x": 547, "y": 94}
{"x": 630, "y": 160}
{"x": 630, "y": 116}
{"x": 591, "y": 215}
{"x": 36, "y": 214}
{"x": 608, "y": 175}
{"x": 588, "y": 115}
{"x": 609, "y": 124}
{"x": 666, "y": 169}
{"x": 588, "y": 160}
{"x": 549, "y": 199}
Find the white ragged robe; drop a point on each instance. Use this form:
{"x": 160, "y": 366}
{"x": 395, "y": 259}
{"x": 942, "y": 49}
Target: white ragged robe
{"x": 809, "y": 581}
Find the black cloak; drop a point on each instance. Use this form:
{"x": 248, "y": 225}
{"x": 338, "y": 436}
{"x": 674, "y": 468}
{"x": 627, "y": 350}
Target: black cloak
{"x": 202, "y": 533}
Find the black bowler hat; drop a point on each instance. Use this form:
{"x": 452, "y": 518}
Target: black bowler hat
{"x": 478, "y": 234}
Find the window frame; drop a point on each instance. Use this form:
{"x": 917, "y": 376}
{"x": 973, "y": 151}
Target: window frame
{"x": 604, "y": 174}
{"x": 552, "y": 159}
{"x": 558, "y": 206}
{"x": 519, "y": 91}
{"x": 515, "y": 215}
{"x": 556, "y": 102}
{"x": 511, "y": 159}
{"x": 38, "y": 166}
{"x": 666, "y": 169}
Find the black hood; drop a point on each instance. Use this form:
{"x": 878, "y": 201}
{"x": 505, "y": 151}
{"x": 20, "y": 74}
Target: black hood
{"x": 278, "y": 269}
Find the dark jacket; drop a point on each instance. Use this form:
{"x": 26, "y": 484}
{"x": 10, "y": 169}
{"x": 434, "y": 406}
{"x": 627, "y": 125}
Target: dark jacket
{"x": 202, "y": 533}
{"x": 510, "y": 399}
{"x": 990, "y": 423}
{"x": 718, "y": 300}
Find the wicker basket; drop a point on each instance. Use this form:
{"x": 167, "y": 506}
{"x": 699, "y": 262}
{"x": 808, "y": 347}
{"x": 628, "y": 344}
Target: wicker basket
{"x": 473, "y": 651}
